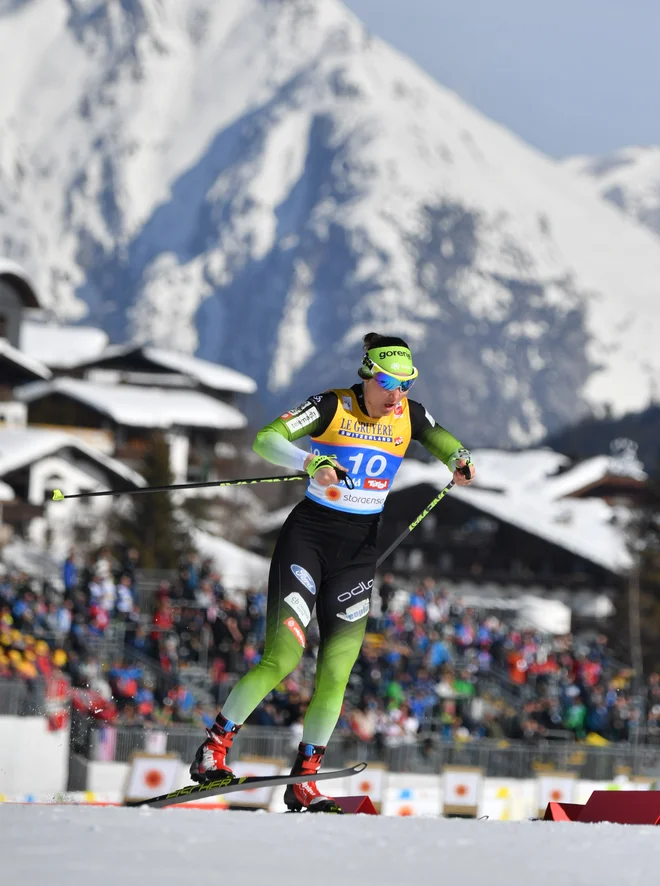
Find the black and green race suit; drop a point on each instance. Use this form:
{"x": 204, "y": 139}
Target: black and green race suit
{"x": 325, "y": 556}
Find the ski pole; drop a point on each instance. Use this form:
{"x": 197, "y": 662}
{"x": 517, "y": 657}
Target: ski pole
{"x": 58, "y": 495}
{"x": 406, "y": 532}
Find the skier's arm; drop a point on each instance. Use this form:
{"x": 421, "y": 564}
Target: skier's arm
{"x": 440, "y": 443}
{"x": 274, "y": 442}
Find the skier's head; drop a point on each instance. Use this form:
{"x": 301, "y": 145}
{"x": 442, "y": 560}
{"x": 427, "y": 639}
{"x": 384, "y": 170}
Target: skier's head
{"x": 387, "y": 360}
{"x": 388, "y": 373}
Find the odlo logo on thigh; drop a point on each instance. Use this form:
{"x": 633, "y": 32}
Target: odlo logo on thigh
{"x": 296, "y": 630}
{"x": 361, "y": 588}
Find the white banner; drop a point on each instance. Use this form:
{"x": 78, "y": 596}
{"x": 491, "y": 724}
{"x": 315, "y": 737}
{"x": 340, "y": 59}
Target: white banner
{"x": 407, "y": 794}
{"x": 151, "y": 775}
{"x": 558, "y": 787}
{"x": 461, "y": 790}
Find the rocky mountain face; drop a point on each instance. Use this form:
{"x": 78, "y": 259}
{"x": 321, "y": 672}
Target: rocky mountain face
{"x": 262, "y": 182}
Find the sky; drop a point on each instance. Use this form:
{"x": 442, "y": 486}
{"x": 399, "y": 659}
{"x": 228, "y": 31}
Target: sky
{"x": 570, "y": 77}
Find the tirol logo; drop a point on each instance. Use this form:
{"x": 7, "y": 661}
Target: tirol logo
{"x": 371, "y": 483}
{"x": 398, "y": 441}
{"x": 296, "y": 630}
{"x": 304, "y": 577}
{"x": 384, "y": 354}
{"x": 398, "y": 409}
{"x": 355, "y": 612}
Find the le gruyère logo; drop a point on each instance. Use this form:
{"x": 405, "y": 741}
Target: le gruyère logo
{"x": 352, "y": 427}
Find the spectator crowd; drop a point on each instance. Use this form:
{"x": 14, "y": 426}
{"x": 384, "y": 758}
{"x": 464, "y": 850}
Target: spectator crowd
{"x": 139, "y": 656}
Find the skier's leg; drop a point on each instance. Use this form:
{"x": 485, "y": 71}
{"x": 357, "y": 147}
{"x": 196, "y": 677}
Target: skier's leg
{"x": 342, "y": 611}
{"x": 294, "y": 577}
{"x": 342, "y": 615}
{"x": 288, "y": 613}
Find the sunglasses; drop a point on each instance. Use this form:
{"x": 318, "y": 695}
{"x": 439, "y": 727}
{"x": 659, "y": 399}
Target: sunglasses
{"x": 391, "y": 382}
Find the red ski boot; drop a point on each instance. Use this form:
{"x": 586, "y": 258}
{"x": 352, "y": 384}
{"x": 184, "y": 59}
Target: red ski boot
{"x": 307, "y": 795}
{"x": 211, "y": 758}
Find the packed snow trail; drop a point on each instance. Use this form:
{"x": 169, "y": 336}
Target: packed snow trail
{"x": 104, "y": 846}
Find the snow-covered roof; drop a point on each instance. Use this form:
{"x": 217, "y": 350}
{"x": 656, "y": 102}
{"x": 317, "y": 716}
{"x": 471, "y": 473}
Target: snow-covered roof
{"x": 537, "y": 470}
{"x": 140, "y": 406}
{"x": 587, "y": 473}
{"x": 26, "y": 361}
{"x": 582, "y": 526}
{"x": 212, "y": 375}
{"x": 61, "y": 347}
{"x": 19, "y": 277}
{"x": 239, "y": 568}
{"x": 24, "y": 446}
{"x": 499, "y": 469}
{"x": 220, "y": 378}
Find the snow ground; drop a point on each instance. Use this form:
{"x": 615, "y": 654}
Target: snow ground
{"x": 63, "y": 844}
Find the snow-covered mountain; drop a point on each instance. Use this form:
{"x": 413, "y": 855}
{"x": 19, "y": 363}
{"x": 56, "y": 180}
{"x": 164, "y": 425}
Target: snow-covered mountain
{"x": 630, "y": 178}
{"x": 262, "y": 182}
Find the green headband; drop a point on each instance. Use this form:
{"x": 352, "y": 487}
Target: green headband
{"x": 394, "y": 359}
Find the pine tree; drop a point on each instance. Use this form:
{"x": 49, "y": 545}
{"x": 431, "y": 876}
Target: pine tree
{"x": 153, "y": 526}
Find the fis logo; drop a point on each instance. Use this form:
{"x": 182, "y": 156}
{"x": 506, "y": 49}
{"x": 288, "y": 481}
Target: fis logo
{"x": 304, "y": 577}
{"x": 398, "y": 441}
{"x": 371, "y": 483}
{"x": 398, "y": 409}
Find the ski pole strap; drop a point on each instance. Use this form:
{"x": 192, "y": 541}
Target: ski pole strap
{"x": 328, "y": 461}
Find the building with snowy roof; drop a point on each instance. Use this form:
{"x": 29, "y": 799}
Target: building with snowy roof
{"x": 116, "y": 396}
{"x": 145, "y": 365}
{"x": 122, "y": 418}
{"x": 33, "y": 462}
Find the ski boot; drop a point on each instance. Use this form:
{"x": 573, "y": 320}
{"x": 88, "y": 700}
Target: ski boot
{"x": 307, "y": 795}
{"x": 211, "y": 758}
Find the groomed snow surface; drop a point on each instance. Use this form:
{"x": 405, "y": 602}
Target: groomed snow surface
{"x": 71, "y": 845}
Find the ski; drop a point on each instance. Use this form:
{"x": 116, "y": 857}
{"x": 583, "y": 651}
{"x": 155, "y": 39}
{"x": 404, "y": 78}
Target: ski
{"x": 231, "y": 783}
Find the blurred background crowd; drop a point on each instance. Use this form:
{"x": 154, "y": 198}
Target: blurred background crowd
{"x": 429, "y": 663}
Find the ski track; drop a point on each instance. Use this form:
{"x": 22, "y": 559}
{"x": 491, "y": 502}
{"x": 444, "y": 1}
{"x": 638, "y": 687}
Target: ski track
{"x": 70, "y": 845}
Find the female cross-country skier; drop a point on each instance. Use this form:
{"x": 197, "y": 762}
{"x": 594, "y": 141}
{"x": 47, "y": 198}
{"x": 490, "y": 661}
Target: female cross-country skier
{"x": 326, "y": 554}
